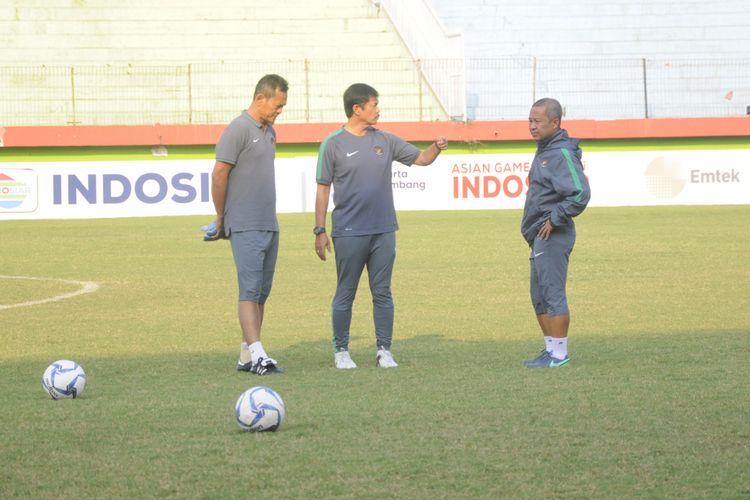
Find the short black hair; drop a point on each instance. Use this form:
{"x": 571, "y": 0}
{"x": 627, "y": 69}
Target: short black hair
{"x": 552, "y": 107}
{"x": 359, "y": 93}
{"x": 269, "y": 84}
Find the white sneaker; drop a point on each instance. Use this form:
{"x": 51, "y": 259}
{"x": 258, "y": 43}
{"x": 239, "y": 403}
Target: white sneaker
{"x": 344, "y": 361}
{"x": 385, "y": 359}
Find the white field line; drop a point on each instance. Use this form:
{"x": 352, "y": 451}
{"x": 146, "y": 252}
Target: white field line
{"x": 86, "y": 287}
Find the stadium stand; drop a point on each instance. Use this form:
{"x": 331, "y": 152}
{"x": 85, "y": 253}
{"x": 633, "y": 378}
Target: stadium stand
{"x": 179, "y": 32}
{"x": 605, "y": 59}
{"x": 96, "y": 62}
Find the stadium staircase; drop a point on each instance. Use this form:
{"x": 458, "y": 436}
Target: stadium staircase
{"x": 99, "y": 62}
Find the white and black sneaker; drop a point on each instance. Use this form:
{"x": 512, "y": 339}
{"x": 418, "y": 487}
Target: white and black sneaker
{"x": 266, "y": 366}
{"x": 384, "y": 359}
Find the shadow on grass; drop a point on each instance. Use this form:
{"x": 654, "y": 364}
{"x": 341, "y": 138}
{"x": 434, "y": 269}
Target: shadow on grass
{"x": 429, "y": 353}
{"x": 645, "y": 415}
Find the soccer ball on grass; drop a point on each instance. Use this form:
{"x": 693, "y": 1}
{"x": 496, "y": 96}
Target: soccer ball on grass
{"x": 259, "y": 409}
{"x": 64, "y": 379}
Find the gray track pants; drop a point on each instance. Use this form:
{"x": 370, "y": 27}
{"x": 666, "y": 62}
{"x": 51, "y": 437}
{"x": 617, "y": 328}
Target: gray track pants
{"x": 549, "y": 271}
{"x": 353, "y": 253}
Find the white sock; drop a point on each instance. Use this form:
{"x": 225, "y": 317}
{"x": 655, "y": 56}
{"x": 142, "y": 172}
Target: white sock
{"x": 560, "y": 347}
{"x": 548, "y": 343}
{"x": 245, "y": 353}
{"x": 257, "y": 351}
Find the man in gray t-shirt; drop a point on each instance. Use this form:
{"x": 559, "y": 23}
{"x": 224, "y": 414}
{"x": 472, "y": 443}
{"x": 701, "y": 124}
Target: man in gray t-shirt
{"x": 250, "y": 147}
{"x": 357, "y": 161}
{"x": 244, "y": 194}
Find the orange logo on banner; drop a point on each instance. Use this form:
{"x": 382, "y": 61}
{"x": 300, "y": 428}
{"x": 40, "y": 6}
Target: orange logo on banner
{"x": 490, "y": 186}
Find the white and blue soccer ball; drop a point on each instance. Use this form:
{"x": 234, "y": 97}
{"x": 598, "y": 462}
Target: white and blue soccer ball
{"x": 260, "y": 409}
{"x": 64, "y": 379}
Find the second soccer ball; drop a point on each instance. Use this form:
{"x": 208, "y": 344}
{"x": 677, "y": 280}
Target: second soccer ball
{"x": 260, "y": 409}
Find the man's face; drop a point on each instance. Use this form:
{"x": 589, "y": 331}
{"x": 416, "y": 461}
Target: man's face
{"x": 368, "y": 112}
{"x": 270, "y": 107}
{"x": 540, "y": 126}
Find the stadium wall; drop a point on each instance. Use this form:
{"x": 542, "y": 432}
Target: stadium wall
{"x": 605, "y": 59}
{"x": 97, "y": 62}
{"x": 643, "y": 162}
{"x": 300, "y": 133}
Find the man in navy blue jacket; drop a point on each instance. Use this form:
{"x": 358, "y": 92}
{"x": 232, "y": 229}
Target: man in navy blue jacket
{"x": 558, "y": 191}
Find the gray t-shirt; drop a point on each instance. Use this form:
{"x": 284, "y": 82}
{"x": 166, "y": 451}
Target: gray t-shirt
{"x": 360, "y": 169}
{"x": 251, "y": 192}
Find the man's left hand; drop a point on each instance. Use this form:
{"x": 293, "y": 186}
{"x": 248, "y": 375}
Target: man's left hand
{"x": 545, "y": 230}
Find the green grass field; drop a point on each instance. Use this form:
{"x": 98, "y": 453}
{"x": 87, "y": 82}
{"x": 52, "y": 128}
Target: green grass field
{"x": 655, "y": 402}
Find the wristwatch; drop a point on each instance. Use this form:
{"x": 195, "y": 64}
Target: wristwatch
{"x": 318, "y": 230}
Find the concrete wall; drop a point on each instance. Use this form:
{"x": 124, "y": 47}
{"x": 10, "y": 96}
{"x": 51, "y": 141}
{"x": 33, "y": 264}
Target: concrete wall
{"x": 56, "y": 32}
{"x": 102, "y": 62}
{"x": 610, "y": 28}
{"x": 605, "y": 58}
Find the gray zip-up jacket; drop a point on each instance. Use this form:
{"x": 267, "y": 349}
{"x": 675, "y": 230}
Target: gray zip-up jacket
{"x": 558, "y": 189}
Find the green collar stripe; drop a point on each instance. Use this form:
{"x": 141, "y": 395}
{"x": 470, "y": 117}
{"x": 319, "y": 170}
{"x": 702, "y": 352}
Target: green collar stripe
{"x": 573, "y": 173}
{"x": 322, "y": 150}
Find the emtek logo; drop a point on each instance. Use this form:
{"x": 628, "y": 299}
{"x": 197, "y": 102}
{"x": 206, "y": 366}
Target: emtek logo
{"x": 716, "y": 177}
{"x": 664, "y": 177}
{"x": 116, "y": 188}
{"x": 12, "y": 192}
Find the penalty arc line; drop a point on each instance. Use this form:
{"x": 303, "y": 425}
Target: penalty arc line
{"x": 86, "y": 287}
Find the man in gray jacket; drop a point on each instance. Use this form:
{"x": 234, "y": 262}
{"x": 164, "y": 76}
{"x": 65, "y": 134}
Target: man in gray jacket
{"x": 558, "y": 191}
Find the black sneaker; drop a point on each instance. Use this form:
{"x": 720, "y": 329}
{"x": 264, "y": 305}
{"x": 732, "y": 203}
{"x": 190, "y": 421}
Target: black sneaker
{"x": 266, "y": 366}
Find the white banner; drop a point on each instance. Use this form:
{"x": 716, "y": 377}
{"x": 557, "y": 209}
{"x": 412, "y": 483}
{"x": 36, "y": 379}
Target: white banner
{"x": 617, "y": 178}
{"x": 76, "y": 190}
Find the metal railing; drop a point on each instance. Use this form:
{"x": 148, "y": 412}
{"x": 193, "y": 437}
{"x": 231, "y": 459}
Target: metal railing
{"x": 608, "y": 88}
{"x": 503, "y": 88}
{"x": 427, "y": 40}
{"x": 204, "y": 93}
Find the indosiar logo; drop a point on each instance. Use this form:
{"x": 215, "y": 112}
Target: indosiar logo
{"x": 17, "y": 187}
{"x": 148, "y": 188}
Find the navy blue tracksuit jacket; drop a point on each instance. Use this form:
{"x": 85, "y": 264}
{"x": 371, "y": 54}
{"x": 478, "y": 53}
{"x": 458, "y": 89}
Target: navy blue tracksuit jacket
{"x": 558, "y": 189}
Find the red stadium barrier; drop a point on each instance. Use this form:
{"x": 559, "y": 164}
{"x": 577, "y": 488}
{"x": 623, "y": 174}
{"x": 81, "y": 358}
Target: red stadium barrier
{"x": 296, "y": 133}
